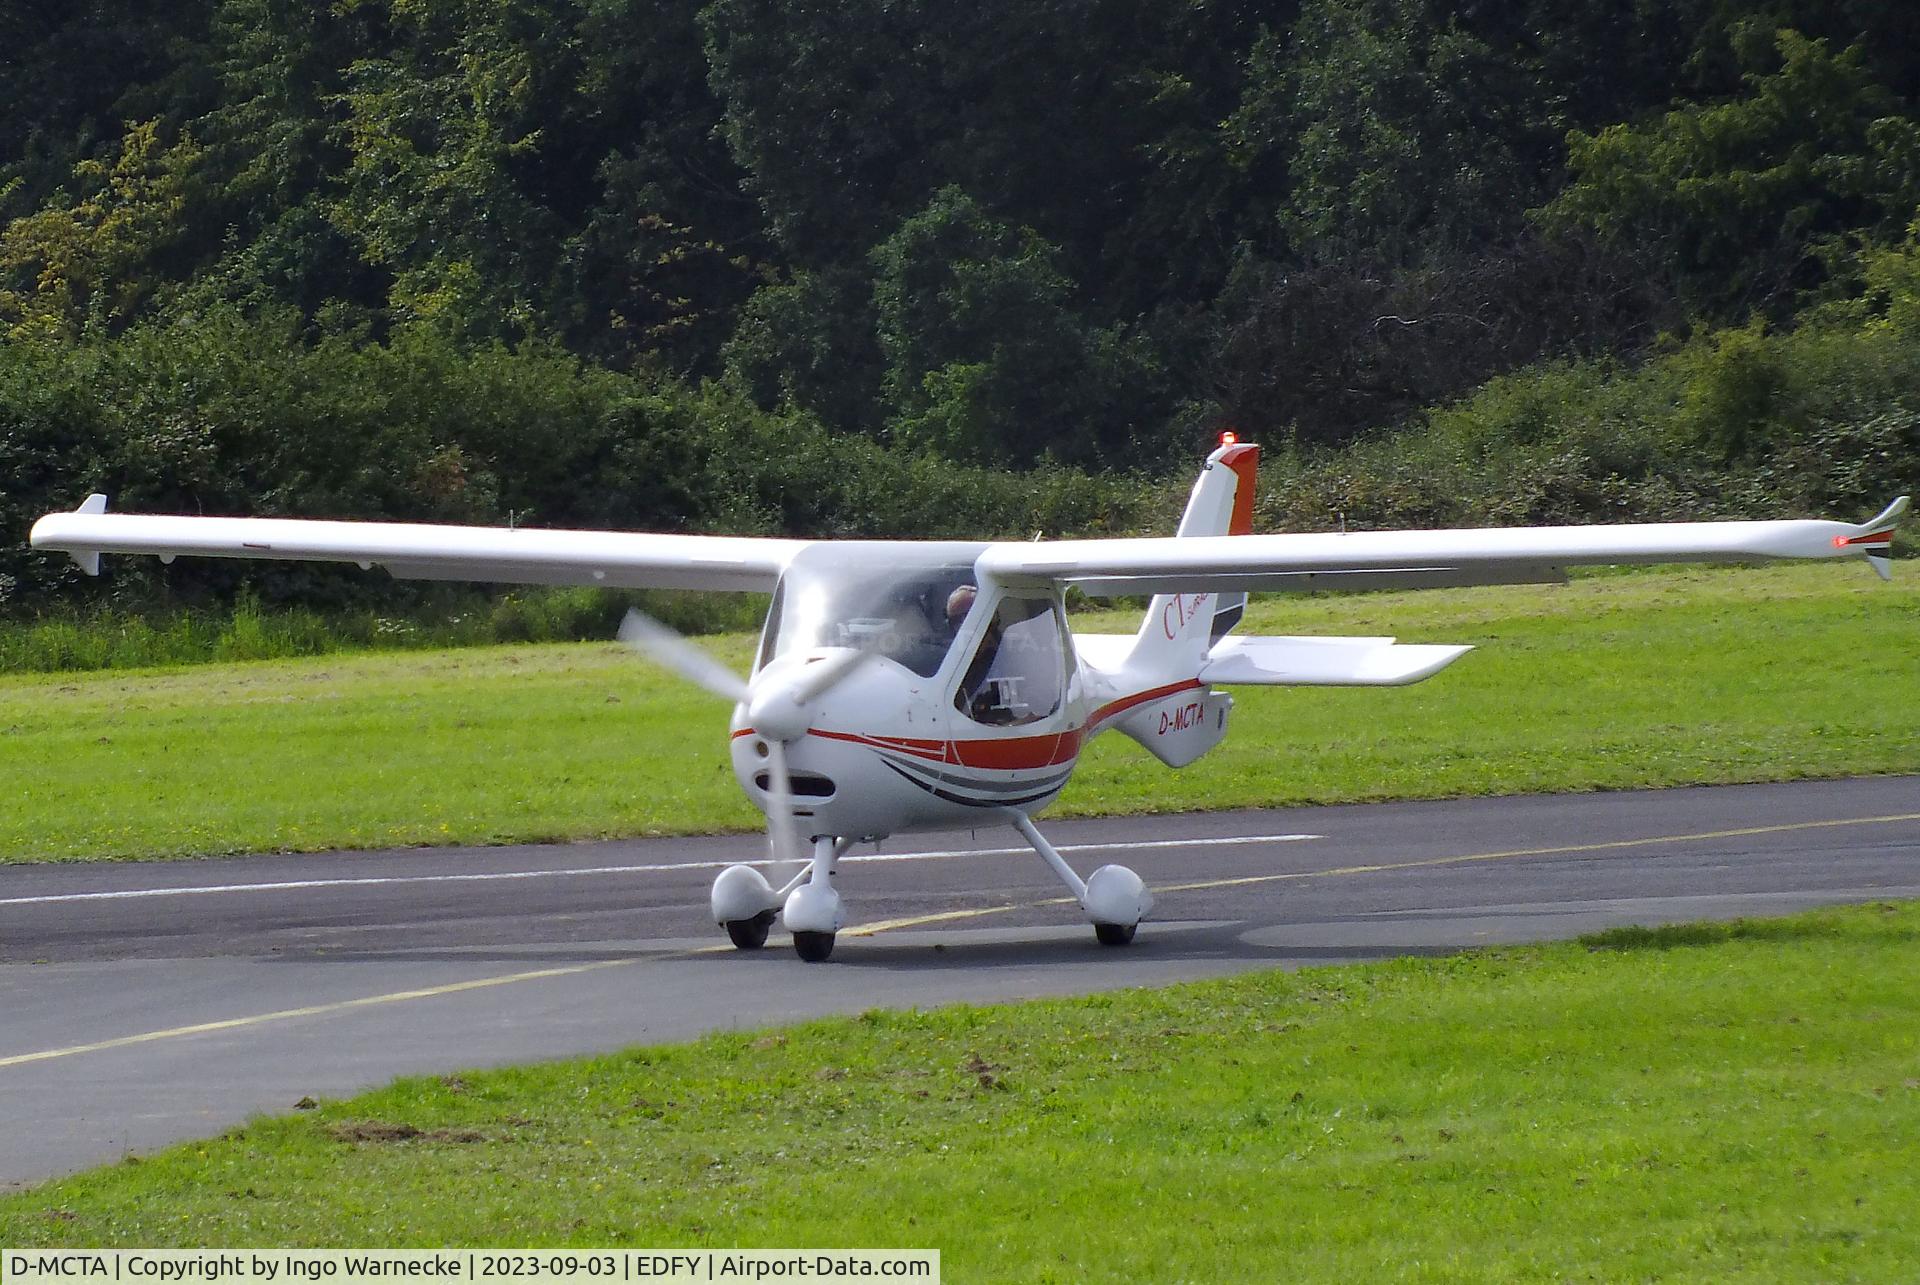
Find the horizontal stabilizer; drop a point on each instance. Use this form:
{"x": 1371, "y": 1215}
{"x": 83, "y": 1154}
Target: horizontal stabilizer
{"x": 1325, "y": 662}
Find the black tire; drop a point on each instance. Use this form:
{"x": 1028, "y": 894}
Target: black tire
{"x": 813, "y": 947}
{"x": 750, "y": 934}
{"x": 1115, "y": 934}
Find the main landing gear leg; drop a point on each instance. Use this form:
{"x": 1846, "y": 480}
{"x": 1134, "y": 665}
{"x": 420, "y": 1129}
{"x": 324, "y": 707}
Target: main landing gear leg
{"x": 814, "y": 911}
{"x": 1114, "y": 898}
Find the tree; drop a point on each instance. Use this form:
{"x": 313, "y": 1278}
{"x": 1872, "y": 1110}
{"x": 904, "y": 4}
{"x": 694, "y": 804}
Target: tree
{"x": 72, "y": 263}
{"x": 1094, "y": 122}
{"x": 663, "y": 260}
{"x": 809, "y": 343}
{"x": 1399, "y": 128}
{"x": 1740, "y": 198}
{"x": 987, "y": 358}
{"x": 1325, "y": 353}
{"x": 445, "y": 131}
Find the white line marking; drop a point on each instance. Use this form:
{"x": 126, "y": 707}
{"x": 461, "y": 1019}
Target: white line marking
{"x": 293, "y": 885}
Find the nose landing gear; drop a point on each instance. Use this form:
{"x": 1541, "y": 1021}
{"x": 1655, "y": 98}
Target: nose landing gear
{"x": 814, "y": 912}
{"x": 746, "y": 905}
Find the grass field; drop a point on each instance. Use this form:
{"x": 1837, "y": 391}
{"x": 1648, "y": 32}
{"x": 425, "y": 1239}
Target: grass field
{"x": 1696, "y": 1103}
{"x": 1613, "y": 681}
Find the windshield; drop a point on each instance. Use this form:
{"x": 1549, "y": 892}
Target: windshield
{"x": 901, "y": 601}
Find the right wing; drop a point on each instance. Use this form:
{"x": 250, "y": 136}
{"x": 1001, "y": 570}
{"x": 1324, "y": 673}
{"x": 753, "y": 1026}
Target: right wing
{"x": 416, "y": 551}
{"x": 1420, "y": 559}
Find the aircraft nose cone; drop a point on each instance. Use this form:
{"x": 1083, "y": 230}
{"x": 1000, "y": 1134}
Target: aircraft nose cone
{"x": 774, "y": 712}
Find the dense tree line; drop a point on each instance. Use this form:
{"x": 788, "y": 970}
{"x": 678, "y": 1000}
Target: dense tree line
{"x": 1083, "y": 233}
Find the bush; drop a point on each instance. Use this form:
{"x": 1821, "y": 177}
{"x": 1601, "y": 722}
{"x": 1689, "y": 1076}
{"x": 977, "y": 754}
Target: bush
{"x": 232, "y": 416}
{"x": 1819, "y": 421}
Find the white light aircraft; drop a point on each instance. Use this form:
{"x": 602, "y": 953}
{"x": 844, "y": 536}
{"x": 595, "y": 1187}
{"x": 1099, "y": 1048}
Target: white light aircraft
{"x": 918, "y": 685}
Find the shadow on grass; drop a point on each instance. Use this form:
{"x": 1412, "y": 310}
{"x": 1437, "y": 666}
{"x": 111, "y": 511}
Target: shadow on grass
{"x": 1876, "y": 921}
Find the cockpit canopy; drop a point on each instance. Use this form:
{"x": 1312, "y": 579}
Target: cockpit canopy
{"x": 899, "y": 602}
{"x": 912, "y": 606}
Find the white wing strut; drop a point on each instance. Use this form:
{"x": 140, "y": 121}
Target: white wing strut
{"x": 1420, "y": 559}
{"x": 616, "y": 559}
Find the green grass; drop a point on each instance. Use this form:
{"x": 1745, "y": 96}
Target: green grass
{"x": 1613, "y": 681}
{"x": 110, "y": 638}
{"x": 1700, "y": 1103}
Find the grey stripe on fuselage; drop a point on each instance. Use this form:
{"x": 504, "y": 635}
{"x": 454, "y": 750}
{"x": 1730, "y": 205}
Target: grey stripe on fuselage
{"x": 1003, "y": 795}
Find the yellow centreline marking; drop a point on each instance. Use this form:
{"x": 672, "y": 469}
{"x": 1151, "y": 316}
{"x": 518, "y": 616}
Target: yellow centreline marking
{"x": 948, "y": 916}
{"x": 888, "y": 925}
{"x": 917, "y": 921}
{"x": 1561, "y": 850}
{"x": 339, "y": 1006}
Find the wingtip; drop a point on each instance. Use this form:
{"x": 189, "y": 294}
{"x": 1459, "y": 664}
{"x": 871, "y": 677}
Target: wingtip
{"x": 46, "y": 534}
{"x": 1890, "y": 517}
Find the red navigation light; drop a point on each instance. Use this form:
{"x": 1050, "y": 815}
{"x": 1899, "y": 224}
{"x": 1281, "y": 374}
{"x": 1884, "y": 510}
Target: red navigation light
{"x": 1229, "y": 437}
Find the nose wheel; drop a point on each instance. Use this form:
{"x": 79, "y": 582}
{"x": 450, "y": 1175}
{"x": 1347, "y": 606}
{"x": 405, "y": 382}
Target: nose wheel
{"x": 813, "y": 911}
{"x": 813, "y": 947}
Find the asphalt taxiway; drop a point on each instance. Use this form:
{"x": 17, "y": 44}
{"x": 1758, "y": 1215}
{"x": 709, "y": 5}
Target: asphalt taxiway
{"x": 145, "y": 1003}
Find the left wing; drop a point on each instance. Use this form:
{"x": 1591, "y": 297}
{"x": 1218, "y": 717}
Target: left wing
{"x": 417, "y": 551}
{"x": 1420, "y": 559}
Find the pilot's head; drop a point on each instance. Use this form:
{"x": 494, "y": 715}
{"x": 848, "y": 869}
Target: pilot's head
{"x": 959, "y": 603}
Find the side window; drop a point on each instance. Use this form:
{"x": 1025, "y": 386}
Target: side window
{"x": 770, "y": 631}
{"x": 1018, "y": 673}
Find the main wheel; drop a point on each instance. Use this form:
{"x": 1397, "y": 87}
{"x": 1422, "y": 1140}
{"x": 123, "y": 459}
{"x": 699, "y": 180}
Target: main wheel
{"x": 1115, "y": 934}
{"x": 813, "y": 947}
{"x": 750, "y": 934}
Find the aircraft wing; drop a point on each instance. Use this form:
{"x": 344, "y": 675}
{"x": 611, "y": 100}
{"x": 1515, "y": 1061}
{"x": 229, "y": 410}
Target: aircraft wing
{"x": 412, "y": 551}
{"x": 1420, "y": 559}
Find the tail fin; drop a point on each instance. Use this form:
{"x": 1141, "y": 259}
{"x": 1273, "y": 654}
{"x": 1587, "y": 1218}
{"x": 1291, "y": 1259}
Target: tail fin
{"x": 1180, "y": 628}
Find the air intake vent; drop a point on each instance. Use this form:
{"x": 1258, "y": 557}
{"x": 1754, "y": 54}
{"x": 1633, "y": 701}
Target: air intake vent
{"x": 806, "y": 785}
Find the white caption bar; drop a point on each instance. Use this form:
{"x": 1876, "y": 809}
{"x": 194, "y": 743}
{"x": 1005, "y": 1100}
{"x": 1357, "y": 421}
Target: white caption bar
{"x": 606, "y": 1266}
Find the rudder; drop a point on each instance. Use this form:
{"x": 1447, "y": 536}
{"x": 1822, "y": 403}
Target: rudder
{"x": 1180, "y": 628}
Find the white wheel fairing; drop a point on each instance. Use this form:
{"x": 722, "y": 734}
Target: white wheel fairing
{"x": 741, "y": 892}
{"x": 1116, "y": 895}
{"x": 814, "y": 907}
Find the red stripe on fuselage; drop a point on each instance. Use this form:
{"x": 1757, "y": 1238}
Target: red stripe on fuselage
{"x": 934, "y": 751}
{"x": 1019, "y": 753}
{"x": 1115, "y": 708}
{"x": 1024, "y": 753}
{"x": 1006, "y": 753}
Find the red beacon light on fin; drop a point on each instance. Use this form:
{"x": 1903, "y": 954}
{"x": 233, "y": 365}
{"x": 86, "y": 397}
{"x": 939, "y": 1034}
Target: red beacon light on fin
{"x": 1229, "y": 437}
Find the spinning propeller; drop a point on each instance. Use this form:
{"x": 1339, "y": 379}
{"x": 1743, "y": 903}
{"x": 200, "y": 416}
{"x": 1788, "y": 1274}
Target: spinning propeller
{"x": 779, "y": 704}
